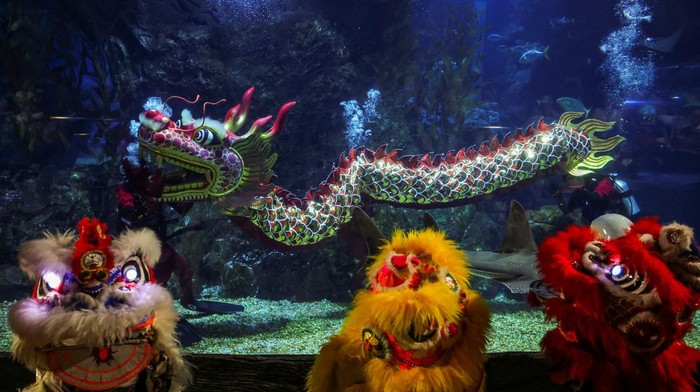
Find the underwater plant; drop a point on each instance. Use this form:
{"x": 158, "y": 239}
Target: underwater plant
{"x": 439, "y": 82}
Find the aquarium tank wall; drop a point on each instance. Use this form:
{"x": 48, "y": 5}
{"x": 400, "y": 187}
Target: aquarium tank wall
{"x": 385, "y": 115}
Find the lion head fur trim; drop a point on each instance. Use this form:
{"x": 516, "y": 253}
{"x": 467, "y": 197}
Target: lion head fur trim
{"x": 53, "y": 252}
{"x": 675, "y": 239}
{"x": 143, "y": 241}
{"x": 37, "y": 325}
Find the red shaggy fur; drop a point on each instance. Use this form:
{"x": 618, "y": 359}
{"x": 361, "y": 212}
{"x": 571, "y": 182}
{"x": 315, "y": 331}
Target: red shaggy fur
{"x": 594, "y": 351}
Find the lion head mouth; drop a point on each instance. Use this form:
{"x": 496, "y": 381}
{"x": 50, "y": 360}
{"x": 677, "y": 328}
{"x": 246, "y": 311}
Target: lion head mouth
{"x": 422, "y": 332}
{"x": 644, "y": 332}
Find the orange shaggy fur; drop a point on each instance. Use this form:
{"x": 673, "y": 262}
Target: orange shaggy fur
{"x": 345, "y": 365}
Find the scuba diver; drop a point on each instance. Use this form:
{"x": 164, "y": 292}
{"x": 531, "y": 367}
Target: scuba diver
{"x": 596, "y": 195}
{"x": 137, "y": 208}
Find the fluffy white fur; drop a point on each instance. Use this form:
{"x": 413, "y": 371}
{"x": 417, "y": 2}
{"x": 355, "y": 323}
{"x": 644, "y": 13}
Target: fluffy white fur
{"x": 683, "y": 236}
{"x": 142, "y": 241}
{"x": 38, "y": 324}
{"x": 51, "y": 253}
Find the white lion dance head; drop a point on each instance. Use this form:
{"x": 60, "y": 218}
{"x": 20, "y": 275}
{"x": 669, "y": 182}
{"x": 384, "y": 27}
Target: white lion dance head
{"x": 96, "y": 320}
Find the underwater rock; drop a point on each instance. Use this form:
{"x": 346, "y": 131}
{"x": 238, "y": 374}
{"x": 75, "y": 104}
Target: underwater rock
{"x": 37, "y": 198}
{"x": 238, "y": 280}
{"x": 547, "y": 220}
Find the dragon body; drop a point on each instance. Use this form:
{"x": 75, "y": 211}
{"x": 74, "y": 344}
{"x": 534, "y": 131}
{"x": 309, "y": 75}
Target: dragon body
{"x": 235, "y": 170}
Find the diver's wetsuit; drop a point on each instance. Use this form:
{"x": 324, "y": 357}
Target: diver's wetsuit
{"x": 593, "y": 203}
{"x": 603, "y": 195}
{"x": 136, "y": 211}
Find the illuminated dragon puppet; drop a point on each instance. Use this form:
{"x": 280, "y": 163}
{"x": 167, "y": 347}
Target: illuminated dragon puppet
{"x": 96, "y": 320}
{"x": 623, "y": 306}
{"x": 214, "y": 162}
{"x": 418, "y": 328}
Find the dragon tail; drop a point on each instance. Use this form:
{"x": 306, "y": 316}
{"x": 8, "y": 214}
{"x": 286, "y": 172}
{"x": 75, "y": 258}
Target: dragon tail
{"x": 590, "y": 127}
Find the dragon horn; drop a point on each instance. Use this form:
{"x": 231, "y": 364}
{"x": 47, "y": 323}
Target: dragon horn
{"x": 231, "y": 118}
{"x": 236, "y": 116}
{"x": 257, "y": 124}
{"x": 279, "y": 121}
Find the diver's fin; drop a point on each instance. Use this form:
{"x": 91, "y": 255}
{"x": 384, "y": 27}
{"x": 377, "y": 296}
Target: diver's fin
{"x": 429, "y": 222}
{"x": 186, "y": 332}
{"x": 518, "y": 232}
{"x": 215, "y": 307}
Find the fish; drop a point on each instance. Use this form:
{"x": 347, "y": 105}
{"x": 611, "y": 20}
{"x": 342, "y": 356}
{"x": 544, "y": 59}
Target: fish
{"x": 664, "y": 44}
{"x": 514, "y": 263}
{"x": 558, "y": 23}
{"x": 632, "y": 14}
{"x": 503, "y": 48}
{"x": 494, "y": 37}
{"x": 520, "y": 49}
{"x": 573, "y": 105}
{"x": 533, "y": 55}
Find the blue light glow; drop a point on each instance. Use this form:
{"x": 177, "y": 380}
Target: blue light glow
{"x": 617, "y": 271}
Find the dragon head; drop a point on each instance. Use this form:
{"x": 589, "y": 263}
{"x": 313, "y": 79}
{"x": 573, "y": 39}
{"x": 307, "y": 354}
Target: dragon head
{"x": 208, "y": 159}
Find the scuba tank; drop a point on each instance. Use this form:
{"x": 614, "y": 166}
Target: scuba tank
{"x": 626, "y": 199}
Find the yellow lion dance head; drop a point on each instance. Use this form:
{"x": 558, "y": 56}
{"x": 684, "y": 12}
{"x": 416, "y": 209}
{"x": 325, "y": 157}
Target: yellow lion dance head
{"x": 417, "y": 328}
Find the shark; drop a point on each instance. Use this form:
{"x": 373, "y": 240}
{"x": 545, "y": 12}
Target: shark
{"x": 513, "y": 264}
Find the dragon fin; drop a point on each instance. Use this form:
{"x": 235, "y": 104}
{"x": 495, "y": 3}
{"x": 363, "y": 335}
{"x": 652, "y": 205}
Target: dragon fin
{"x": 254, "y": 151}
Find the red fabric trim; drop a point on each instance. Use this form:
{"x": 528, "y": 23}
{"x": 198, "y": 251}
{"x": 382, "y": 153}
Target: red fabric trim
{"x": 146, "y": 323}
{"x": 124, "y": 197}
{"x": 405, "y": 359}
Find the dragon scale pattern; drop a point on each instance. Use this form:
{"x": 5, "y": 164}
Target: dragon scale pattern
{"x": 424, "y": 181}
{"x": 210, "y": 160}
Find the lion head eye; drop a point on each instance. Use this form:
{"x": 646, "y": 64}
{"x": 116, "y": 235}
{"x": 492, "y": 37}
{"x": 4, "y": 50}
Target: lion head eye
{"x": 135, "y": 271}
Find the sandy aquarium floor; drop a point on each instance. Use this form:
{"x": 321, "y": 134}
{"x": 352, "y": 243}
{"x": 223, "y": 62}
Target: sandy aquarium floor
{"x": 284, "y": 327}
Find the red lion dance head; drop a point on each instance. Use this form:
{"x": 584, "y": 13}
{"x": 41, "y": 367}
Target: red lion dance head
{"x": 623, "y": 306}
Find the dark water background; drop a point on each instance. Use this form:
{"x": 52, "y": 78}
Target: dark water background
{"x": 74, "y": 76}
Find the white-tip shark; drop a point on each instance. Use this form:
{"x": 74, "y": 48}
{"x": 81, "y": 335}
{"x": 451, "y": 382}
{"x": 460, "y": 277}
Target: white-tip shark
{"x": 514, "y": 263}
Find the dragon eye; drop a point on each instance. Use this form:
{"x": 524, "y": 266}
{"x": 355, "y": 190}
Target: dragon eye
{"x": 205, "y": 136}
